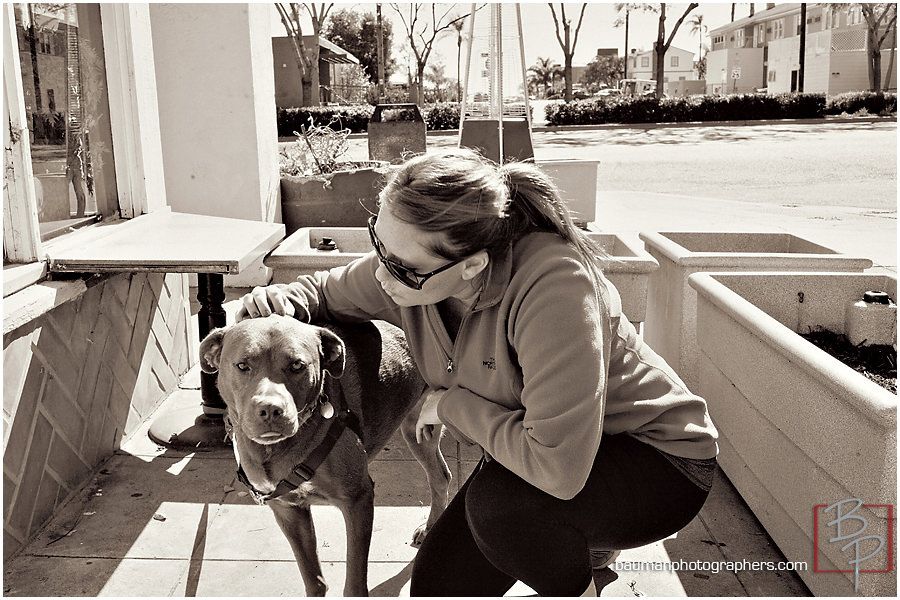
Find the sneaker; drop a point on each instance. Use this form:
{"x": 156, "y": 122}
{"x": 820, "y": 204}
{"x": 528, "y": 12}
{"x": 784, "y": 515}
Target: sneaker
{"x": 601, "y": 559}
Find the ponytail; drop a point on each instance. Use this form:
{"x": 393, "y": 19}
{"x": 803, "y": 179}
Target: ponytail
{"x": 533, "y": 194}
{"x": 477, "y": 205}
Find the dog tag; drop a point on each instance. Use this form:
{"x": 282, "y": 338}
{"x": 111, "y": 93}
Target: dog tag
{"x": 326, "y": 409}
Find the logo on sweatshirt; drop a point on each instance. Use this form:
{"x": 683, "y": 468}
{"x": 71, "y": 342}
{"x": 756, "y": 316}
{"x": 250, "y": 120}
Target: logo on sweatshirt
{"x": 490, "y": 364}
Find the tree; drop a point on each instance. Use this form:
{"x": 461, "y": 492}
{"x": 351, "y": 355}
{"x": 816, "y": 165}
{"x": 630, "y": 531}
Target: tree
{"x": 620, "y": 20}
{"x": 307, "y": 58}
{"x": 436, "y": 76}
{"x": 357, "y": 34}
{"x": 567, "y": 42}
{"x": 603, "y": 69}
{"x": 661, "y": 47}
{"x": 698, "y": 27}
{"x": 543, "y": 72}
{"x": 881, "y": 20}
{"x": 458, "y": 27}
{"x": 421, "y": 33}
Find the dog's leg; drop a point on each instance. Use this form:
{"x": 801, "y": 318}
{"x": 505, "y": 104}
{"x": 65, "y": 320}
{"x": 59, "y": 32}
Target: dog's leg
{"x": 297, "y": 524}
{"x": 429, "y": 455}
{"x": 359, "y": 514}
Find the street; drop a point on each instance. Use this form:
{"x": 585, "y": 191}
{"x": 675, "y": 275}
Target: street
{"x": 834, "y": 183}
{"x": 811, "y": 164}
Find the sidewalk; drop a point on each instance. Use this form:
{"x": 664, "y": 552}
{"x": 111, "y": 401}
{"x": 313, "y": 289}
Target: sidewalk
{"x": 159, "y": 522}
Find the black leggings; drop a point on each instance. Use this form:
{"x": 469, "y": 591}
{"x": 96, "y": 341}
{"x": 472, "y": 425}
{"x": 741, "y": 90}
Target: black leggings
{"x": 499, "y": 528}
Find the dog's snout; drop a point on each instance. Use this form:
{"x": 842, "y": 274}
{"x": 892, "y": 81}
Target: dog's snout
{"x": 268, "y": 411}
{"x": 270, "y": 401}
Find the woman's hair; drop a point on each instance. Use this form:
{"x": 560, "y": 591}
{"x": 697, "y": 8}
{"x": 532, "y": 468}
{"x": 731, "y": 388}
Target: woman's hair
{"x": 478, "y": 205}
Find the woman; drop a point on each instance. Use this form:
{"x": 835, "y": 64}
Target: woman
{"x": 592, "y": 444}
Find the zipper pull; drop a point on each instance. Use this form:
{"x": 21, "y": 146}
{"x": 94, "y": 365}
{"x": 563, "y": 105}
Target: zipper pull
{"x": 449, "y": 365}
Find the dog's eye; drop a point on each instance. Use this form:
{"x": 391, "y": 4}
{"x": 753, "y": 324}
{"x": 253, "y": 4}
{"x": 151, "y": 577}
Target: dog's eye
{"x": 242, "y": 366}
{"x": 297, "y": 366}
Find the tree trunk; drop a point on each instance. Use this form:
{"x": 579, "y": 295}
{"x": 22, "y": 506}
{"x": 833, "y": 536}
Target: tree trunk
{"x": 421, "y": 84}
{"x": 874, "y": 61}
{"x": 890, "y": 69}
{"x": 660, "y": 51}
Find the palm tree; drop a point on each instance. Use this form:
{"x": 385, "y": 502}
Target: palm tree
{"x": 458, "y": 27}
{"x": 697, "y": 26}
{"x": 545, "y": 71}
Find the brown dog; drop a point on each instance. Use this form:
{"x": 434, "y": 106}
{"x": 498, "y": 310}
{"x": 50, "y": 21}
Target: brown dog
{"x": 303, "y": 436}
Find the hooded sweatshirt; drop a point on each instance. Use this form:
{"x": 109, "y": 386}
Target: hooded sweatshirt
{"x": 543, "y": 365}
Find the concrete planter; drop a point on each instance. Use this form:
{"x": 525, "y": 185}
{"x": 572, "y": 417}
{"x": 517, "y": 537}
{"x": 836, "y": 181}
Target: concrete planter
{"x": 577, "y": 182}
{"x": 798, "y": 428}
{"x": 628, "y": 269}
{"x": 340, "y": 199}
{"x": 670, "y": 328}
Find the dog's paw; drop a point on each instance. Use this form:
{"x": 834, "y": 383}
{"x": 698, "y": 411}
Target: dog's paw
{"x": 419, "y": 536}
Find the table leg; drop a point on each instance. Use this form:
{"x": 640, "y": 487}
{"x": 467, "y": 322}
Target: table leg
{"x": 192, "y": 427}
{"x": 211, "y": 295}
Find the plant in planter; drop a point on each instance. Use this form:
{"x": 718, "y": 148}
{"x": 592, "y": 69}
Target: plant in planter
{"x": 799, "y": 429}
{"x": 319, "y": 189}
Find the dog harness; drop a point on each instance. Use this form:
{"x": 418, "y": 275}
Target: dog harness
{"x": 306, "y": 469}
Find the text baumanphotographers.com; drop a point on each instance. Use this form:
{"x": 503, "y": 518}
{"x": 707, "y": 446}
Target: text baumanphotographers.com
{"x": 712, "y": 566}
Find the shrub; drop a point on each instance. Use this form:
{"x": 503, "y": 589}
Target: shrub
{"x": 648, "y": 109}
{"x": 444, "y": 115}
{"x": 355, "y": 118}
{"x": 876, "y": 103}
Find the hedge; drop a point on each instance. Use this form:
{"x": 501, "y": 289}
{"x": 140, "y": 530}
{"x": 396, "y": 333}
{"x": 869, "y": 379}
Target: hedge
{"x": 356, "y": 118}
{"x": 732, "y": 107}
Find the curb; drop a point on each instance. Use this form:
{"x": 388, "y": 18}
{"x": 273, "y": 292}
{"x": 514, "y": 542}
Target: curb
{"x": 680, "y": 124}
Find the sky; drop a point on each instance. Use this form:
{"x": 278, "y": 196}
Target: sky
{"x": 597, "y": 29}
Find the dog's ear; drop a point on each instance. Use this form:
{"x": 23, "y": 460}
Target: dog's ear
{"x": 211, "y": 350}
{"x": 332, "y": 353}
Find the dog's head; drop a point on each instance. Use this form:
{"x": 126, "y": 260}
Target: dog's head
{"x": 271, "y": 372}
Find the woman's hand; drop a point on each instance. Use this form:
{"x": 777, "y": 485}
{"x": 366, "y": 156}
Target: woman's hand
{"x": 264, "y": 301}
{"x": 428, "y": 416}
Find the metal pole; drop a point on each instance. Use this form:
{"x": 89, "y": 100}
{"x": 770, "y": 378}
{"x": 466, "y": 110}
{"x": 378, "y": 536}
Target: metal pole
{"x": 802, "y": 47}
{"x": 380, "y": 35}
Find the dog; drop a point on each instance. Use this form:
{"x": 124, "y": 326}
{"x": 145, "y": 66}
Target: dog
{"x": 308, "y": 407}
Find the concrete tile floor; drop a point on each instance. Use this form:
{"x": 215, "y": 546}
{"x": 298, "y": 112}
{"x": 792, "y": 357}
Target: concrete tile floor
{"x": 160, "y": 522}
{"x": 154, "y": 522}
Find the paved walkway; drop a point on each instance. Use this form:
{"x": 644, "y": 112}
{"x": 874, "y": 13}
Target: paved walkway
{"x": 158, "y": 522}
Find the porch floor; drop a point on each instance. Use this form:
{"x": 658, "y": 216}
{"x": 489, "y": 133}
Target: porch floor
{"x": 160, "y": 522}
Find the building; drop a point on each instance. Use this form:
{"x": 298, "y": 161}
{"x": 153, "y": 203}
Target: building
{"x": 763, "y": 52}
{"x": 679, "y": 65}
{"x": 333, "y": 63}
{"x": 179, "y": 103}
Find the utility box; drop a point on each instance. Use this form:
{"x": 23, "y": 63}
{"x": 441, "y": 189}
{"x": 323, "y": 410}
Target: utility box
{"x": 396, "y": 132}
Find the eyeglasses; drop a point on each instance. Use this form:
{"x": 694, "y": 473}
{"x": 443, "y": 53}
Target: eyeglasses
{"x": 404, "y": 275}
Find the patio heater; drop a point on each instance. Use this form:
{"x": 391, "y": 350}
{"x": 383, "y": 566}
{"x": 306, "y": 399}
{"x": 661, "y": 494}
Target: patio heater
{"x": 494, "y": 113}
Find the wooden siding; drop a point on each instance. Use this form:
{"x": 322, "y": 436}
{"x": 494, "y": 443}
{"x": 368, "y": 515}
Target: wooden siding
{"x": 80, "y": 379}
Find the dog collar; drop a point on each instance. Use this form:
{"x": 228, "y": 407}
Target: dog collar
{"x": 306, "y": 469}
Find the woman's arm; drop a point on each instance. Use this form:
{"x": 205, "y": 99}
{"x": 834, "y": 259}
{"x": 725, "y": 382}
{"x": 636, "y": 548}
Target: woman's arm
{"x": 344, "y": 294}
{"x": 559, "y": 329}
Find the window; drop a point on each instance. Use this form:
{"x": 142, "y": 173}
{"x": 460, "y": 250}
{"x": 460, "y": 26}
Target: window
{"x": 645, "y": 61}
{"x": 760, "y": 35}
{"x": 60, "y": 170}
{"x": 778, "y": 32}
{"x": 70, "y": 140}
{"x": 771, "y": 76}
{"x": 855, "y": 17}
{"x": 829, "y": 18}
{"x": 673, "y": 61}
{"x": 739, "y": 38}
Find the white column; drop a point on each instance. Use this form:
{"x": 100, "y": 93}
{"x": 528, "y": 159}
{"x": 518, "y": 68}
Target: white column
{"x": 216, "y": 91}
